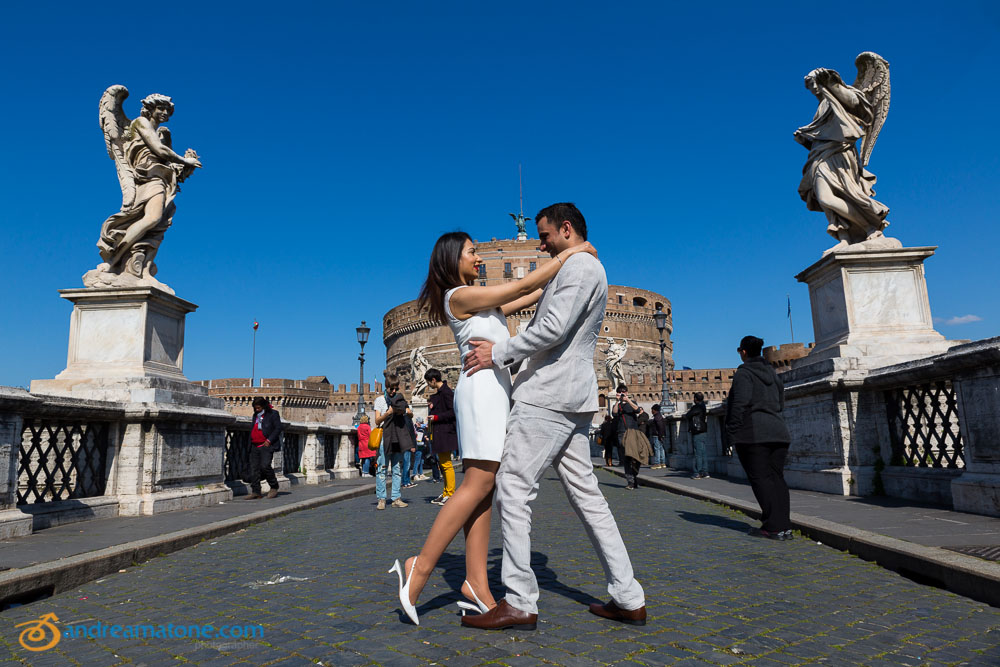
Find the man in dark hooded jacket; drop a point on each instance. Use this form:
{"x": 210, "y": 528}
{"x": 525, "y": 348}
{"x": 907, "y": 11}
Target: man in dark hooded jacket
{"x": 758, "y": 432}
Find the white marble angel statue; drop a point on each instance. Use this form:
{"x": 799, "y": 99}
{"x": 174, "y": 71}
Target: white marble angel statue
{"x": 149, "y": 172}
{"x": 834, "y": 179}
{"x": 613, "y": 362}
{"x": 418, "y": 366}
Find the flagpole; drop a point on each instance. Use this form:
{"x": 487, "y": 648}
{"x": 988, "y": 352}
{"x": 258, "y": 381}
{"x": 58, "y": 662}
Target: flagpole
{"x": 253, "y": 353}
{"x": 790, "y": 327}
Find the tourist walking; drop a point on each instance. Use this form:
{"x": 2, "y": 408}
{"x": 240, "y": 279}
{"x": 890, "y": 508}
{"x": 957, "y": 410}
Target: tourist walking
{"x": 409, "y": 454}
{"x": 441, "y": 415}
{"x": 608, "y": 439}
{"x": 626, "y": 414}
{"x": 554, "y": 403}
{"x": 265, "y": 439}
{"x": 481, "y": 405}
{"x": 419, "y": 456}
{"x": 365, "y": 455}
{"x": 758, "y": 432}
{"x": 657, "y": 430}
{"x": 390, "y": 416}
{"x": 697, "y": 422}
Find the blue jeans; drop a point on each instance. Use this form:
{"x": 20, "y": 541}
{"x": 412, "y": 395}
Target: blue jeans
{"x": 407, "y": 455}
{"x": 700, "y": 441}
{"x": 659, "y": 457}
{"x": 366, "y": 465}
{"x": 418, "y": 463}
{"x": 395, "y": 462}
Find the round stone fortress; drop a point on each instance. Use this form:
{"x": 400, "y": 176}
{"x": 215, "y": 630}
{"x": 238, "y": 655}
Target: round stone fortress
{"x": 629, "y": 316}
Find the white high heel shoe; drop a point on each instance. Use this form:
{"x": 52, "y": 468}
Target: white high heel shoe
{"x": 404, "y": 590}
{"x": 468, "y": 606}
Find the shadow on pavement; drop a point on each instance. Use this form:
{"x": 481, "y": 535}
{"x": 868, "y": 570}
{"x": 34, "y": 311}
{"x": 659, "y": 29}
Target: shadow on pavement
{"x": 453, "y": 566}
{"x": 714, "y": 520}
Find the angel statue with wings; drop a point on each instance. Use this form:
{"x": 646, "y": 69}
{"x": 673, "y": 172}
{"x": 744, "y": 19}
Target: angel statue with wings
{"x": 149, "y": 172}
{"x": 613, "y": 362}
{"x": 834, "y": 179}
{"x": 418, "y": 366}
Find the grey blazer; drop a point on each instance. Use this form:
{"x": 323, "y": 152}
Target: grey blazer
{"x": 560, "y": 340}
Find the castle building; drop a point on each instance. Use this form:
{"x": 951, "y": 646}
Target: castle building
{"x": 781, "y": 357}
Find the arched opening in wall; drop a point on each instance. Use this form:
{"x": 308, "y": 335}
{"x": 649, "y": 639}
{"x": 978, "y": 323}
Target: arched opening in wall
{"x": 638, "y": 301}
{"x": 602, "y": 401}
{"x": 658, "y": 305}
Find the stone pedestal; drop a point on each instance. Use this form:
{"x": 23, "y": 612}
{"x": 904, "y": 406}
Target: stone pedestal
{"x": 126, "y": 346}
{"x": 871, "y": 307}
{"x": 870, "y": 310}
{"x": 419, "y": 407}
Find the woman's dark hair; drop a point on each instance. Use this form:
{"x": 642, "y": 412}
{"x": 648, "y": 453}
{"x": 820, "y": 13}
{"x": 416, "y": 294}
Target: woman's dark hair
{"x": 442, "y": 275}
{"x": 432, "y": 374}
{"x": 261, "y": 402}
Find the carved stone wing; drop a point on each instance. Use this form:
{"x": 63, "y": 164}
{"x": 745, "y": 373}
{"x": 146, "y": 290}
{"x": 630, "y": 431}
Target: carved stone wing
{"x": 873, "y": 82}
{"x": 114, "y": 123}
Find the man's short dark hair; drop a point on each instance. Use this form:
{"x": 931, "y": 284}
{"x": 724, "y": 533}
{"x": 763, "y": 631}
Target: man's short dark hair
{"x": 751, "y": 345}
{"x": 432, "y": 375}
{"x": 391, "y": 381}
{"x": 656, "y": 407}
{"x": 621, "y": 388}
{"x": 557, "y": 213}
{"x": 698, "y": 397}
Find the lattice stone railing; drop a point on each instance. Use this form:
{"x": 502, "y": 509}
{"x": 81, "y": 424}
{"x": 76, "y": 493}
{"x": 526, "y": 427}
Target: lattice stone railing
{"x": 62, "y": 460}
{"x": 924, "y": 425}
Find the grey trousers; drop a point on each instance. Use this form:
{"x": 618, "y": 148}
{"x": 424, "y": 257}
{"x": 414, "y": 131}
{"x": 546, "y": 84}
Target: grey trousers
{"x": 537, "y": 438}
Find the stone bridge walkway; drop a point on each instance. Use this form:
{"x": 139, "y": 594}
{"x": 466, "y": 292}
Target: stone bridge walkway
{"x": 715, "y": 596}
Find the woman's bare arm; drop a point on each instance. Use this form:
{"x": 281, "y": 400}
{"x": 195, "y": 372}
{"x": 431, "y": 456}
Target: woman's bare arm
{"x": 466, "y": 302}
{"x": 522, "y": 303}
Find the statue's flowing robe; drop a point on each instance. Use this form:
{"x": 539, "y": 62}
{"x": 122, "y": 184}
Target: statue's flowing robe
{"x": 833, "y": 158}
{"x": 152, "y": 177}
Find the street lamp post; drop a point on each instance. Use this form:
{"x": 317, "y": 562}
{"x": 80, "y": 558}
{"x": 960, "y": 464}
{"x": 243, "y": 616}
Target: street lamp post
{"x": 363, "y": 332}
{"x": 660, "y": 318}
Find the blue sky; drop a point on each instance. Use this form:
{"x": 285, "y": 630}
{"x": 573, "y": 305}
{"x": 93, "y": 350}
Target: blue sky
{"x": 340, "y": 139}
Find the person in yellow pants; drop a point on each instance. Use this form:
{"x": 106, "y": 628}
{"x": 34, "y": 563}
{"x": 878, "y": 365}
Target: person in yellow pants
{"x": 448, "y": 470}
{"x": 441, "y": 418}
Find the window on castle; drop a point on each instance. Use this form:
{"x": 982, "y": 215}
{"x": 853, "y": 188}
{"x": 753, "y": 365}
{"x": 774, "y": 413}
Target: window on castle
{"x": 482, "y": 283}
{"x": 532, "y": 266}
{"x": 482, "y": 270}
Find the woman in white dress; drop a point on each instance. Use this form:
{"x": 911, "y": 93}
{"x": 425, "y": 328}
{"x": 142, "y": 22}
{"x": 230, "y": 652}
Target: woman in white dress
{"x": 482, "y": 404}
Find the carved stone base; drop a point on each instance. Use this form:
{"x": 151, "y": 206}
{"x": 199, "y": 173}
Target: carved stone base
{"x": 118, "y": 335}
{"x": 870, "y": 306}
{"x": 103, "y": 277}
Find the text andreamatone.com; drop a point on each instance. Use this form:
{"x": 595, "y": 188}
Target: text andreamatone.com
{"x": 160, "y": 631}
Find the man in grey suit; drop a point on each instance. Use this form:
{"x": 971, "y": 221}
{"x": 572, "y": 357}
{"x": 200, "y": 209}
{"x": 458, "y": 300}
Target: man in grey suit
{"x": 555, "y": 398}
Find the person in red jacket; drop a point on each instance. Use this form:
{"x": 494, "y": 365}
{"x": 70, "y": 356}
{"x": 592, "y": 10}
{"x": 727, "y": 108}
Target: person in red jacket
{"x": 365, "y": 454}
{"x": 265, "y": 439}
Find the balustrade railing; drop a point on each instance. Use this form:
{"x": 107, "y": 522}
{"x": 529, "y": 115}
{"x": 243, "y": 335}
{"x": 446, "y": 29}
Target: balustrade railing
{"x": 291, "y": 451}
{"x": 61, "y": 460}
{"x": 330, "y": 444}
{"x": 923, "y": 426}
{"x": 236, "y": 463}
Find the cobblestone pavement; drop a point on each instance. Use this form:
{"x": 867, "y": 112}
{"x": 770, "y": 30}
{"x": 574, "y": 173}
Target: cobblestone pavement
{"x": 714, "y": 594}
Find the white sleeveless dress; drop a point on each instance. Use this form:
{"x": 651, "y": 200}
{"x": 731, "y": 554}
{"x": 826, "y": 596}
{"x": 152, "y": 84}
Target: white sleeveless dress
{"x": 482, "y": 400}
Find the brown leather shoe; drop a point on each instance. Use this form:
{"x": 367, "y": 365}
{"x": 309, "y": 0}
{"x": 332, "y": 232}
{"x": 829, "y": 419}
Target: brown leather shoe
{"x": 273, "y": 493}
{"x": 616, "y": 613}
{"x": 502, "y": 617}
{"x": 253, "y": 496}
